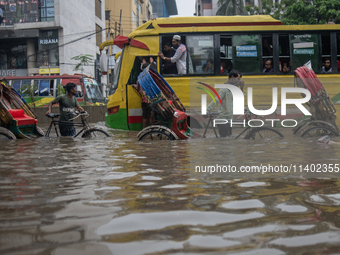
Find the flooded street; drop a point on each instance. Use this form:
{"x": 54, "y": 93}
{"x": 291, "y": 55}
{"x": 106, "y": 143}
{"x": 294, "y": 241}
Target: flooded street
{"x": 121, "y": 196}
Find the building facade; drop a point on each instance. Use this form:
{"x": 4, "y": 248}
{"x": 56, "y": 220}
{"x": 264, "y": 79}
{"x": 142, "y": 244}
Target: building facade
{"x": 210, "y": 7}
{"x": 41, "y": 37}
{"x": 164, "y": 8}
{"x": 126, "y": 16}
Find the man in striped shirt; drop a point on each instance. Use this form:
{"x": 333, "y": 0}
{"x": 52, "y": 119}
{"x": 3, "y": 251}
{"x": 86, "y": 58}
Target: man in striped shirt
{"x": 180, "y": 57}
{"x": 225, "y": 111}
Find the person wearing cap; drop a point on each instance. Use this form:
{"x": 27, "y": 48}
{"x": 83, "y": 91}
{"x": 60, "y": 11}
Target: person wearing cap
{"x": 180, "y": 57}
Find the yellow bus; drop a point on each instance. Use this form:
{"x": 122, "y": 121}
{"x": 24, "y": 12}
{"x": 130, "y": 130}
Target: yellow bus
{"x": 244, "y": 43}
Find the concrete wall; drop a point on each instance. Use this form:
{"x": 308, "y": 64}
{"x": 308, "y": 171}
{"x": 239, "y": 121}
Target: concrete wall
{"x": 96, "y": 114}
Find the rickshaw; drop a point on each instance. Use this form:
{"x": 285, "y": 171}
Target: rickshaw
{"x": 17, "y": 119}
{"x": 322, "y": 122}
{"x": 171, "y": 120}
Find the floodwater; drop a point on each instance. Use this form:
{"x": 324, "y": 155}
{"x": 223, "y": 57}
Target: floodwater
{"x": 121, "y": 196}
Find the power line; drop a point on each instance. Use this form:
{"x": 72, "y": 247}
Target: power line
{"x": 58, "y": 46}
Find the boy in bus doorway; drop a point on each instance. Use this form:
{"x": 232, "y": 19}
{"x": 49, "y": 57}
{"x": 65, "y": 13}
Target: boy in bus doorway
{"x": 180, "y": 57}
{"x": 67, "y": 104}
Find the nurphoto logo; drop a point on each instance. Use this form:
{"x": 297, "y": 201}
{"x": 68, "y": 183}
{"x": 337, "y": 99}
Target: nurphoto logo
{"x": 238, "y": 102}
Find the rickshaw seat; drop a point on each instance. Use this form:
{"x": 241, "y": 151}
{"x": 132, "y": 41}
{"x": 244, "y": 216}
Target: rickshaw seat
{"x": 22, "y": 119}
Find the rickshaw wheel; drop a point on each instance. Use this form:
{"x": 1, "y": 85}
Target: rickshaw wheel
{"x": 38, "y": 131}
{"x": 315, "y": 123}
{"x": 263, "y": 133}
{"x": 155, "y": 135}
{"x": 319, "y": 131}
{"x": 5, "y": 134}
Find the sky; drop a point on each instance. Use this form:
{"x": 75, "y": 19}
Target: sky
{"x": 185, "y": 8}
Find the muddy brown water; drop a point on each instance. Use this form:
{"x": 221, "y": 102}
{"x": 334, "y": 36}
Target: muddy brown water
{"x": 121, "y": 196}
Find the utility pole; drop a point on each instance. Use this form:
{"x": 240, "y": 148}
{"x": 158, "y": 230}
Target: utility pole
{"x": 260, "y": 7}
{"x": 108, "y": 51}
{"x": 137, "y": 13}
{"x": 120, "y": 21}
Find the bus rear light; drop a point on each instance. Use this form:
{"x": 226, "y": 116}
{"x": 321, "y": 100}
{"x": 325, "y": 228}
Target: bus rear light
{"x": 112, "y": 110}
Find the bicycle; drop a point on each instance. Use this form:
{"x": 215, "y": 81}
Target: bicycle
{"x": 253, "y": 132}
{"x": 87, "y": 131}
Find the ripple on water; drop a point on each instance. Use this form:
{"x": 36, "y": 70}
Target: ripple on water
{"x": 243, "y": 204}
{"x": 144, "y": 183}
{"x": 119, "y": 175}
{"x": 159, "y": 220}
{"x": 268, "y": 229}
{"x": 307, "y": 240}
{"x": 210, "y": 241}
{"x": 292, "y": 208}
{"x": 252, "y": 184}
{"x": 174, "y": 186}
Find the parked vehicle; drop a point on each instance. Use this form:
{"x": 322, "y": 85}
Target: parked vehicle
{"x": 46, "y": 88}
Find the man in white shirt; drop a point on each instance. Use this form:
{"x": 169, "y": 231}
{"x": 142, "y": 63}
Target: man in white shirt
{"x": 180, "y": 57}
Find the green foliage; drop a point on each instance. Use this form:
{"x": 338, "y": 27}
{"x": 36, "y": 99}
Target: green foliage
{"x": 60, "y": 89}
{"x": 231, "y": 7}
{"x": 268, "y": 8}
{"x": 303, "y": 12}
{"x": 30, "y": 91}
{"x": 84, "y": 60}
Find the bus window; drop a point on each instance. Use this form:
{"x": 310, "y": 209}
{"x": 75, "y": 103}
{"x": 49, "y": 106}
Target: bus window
{"x": 44, "y": 88}
{"x": 326, "y": 53}
{"x": 267, "y": 54}
{"x": 25, "y": 87}
{"x": 284, "y": 55}
{"x": 338, "y": 51}
{"x": 246, "y": 53}
{"x": 304, "y": 48}
{"x": 16, "y": 85}
{"x": 226, "y": 54}
{"x": 201, "y": 54}
{"x": 116, "y": 73}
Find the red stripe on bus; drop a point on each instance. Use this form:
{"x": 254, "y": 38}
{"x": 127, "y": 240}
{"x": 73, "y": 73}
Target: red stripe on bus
{"x": 221, "y": 24}
{"x": 135, "y": 119}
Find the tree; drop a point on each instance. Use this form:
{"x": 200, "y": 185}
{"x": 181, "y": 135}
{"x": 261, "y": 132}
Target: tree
{"x": 84, "y": 60}
{"x": 31, "y": 91}
{"x": 311, "y": 12}
{"x": 269, "y": 7}
{"x": 231, "y": 7}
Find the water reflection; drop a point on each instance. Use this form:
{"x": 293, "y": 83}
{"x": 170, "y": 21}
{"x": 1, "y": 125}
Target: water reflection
{"x": 119, "y": 196}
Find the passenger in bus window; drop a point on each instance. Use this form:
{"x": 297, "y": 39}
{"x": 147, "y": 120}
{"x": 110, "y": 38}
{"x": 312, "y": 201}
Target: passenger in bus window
{"x": 286, "y": 68}
{"x": 169, "y": 67}
{"x": 226, "y": 66}
{"x": 268, "y": 66}
{"x": 267, "y": 48}
{"x": 180, "y": 57}
{"x": 327, "y": 68}
{"x": 209, "y": 66}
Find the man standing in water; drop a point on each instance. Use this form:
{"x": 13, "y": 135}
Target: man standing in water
{"x": 67, "y": 104}
{"x": 225, "y": 111}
